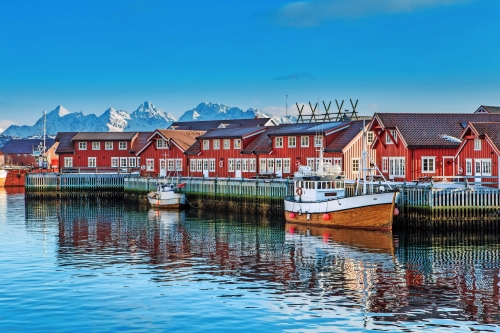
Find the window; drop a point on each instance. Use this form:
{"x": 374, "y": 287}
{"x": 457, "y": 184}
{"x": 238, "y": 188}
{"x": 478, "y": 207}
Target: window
{"x": 170, "y": 164}
{"x": 138, "y": 161}
{"x": 122, "y": 145}
{"x": 477, "y": 144}
{"x": 304, "y": 141}
{"x": 355, "y": 165}
{"x": 123, "y": 162}
{"x": 132, "y": 162}
{"x": 428, "y": 164}
{"x": 206, "y": 144}
{"x": 318, "y": 141}
{"x": 92, "y": 162}
{"x": 68, "y": 162}
{"x": 227, "y": 143}
{"x": 114, "y": 162}
{"x": 286, "y": 165}
{"x": 484, "y": 166}
{"x": 212, "y": 165}
{"x": 244, "y": 165}
{"x": 199, "y": 165}
{"x": 263, "y": 165}
{"x": 385, "y": 164}
{"x": 338, "y": 161}
{"x": 279, "y": 142}
{"x": 108, "y": 145}
{"x": 270, "y": 165}
{"x": 292, "y": 141}
{"x": 230, "y": 165}
{"x": 388, "y": 139}
{"x": 82, "y": 145}
{"x": 396, "y": 167}
{"x": 369, "y": 137}
{"x": 216, "y": 144}
{"x": 468, "y": 166}
{"x": 237, "y": 144}
{"x": 278, "y": 163}
{"x": 192, "y": 165}
{"x": 253, "y": 164}
{"x": 311, "y": 162}
{"x": 178, "y": 164}
{"x": 96, "y": 146}
{"x": 160, "y": 144}
{"x": 150, "y": 164}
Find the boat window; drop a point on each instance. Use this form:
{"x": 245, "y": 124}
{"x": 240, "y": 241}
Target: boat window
{"x": 313, "y": 185}
{"x": 328, "y": 184}
{"x": 306, "y": 184}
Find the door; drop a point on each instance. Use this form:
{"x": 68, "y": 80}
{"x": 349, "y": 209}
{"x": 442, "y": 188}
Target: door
{"x": 448, "y": 167}
{"x": 163, "y": 168}
{"x": 237, "y": 168}
{"x": 477, "y": 171}
{"x": 205, "y": 167}
{"x": 278, "y": 166}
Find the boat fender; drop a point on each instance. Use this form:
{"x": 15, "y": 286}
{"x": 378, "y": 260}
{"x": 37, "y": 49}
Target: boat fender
{"x": 326, "y": 217}
{"x": 396, "y": 211}
{"x": 299, "y": 191}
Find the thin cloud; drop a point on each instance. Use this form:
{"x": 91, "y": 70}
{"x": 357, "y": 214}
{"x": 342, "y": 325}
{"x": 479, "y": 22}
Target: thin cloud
{"x": 294, "y": 77}
{"x": 313, "y": 13}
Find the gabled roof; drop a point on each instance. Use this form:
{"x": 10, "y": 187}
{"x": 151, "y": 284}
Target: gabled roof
{"x": 140, "y": 141}
{"x": 345, "y": 137}
{"x": 262, "y": 144}
{"x": 25, "y": 146}
{"x": 104, "y": 136}
{"x": 420, "y": 130}
{"x": 308, "y": 128}
{"x": 65, "y": 144}
{"x": 488, "y": 109}
{"x": 194, "y": 149}
{"x": 490, "y": 130}
{"x": 231, "y": 133}
{"x": 184, "y": 139}
{"x": 205, "y": 125}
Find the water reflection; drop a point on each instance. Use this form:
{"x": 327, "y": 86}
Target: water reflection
{"x": 391, "y": 278}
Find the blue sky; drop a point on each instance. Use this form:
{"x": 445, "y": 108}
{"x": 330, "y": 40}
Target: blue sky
{"x": 391, "y": 55}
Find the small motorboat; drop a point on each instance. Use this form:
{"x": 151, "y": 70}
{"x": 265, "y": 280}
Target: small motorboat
{"x": 167, "y": 195}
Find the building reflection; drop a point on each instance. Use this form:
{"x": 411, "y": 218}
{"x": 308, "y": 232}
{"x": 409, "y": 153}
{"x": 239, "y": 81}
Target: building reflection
{"x": 417, "y": 273}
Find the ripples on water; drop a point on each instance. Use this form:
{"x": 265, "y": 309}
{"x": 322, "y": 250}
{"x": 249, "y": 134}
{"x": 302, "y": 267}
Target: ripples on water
{"x": 97, "y": 265}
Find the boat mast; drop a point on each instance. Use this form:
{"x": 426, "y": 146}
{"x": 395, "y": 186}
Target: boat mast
{"x": 44, "y": 125}
{"x": 363, "y": 159}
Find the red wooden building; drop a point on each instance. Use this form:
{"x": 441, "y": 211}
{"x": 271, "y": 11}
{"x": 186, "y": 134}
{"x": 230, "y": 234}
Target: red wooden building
{"x": 19, "y": 152}
{"x": 100, "y": 151}
{"x": 163, "y": 152}
{"x": 411, "y": 146}
{"x": 479, "y": 153}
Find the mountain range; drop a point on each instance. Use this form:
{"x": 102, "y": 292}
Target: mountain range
{"x": 146, "y": 118}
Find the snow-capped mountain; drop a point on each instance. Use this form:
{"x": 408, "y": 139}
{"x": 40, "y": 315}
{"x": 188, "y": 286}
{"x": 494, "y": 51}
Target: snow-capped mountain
{"x": 146, "y": 118}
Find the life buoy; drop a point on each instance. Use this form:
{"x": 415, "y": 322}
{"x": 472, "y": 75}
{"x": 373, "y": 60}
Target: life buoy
{"x": 143, "y": 167}
{"x": 299, "y": 191}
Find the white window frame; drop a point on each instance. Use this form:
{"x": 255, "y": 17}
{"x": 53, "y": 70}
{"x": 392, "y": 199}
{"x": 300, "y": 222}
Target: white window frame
{"x": 227, "y": 143}
{"x": 311, "y": 162}
{"x": 132, "y": 162}
{"x": 216, "y": 144}
{"x": 355, "y": 165}
{"x": 82, "y": 145}
{"x": 178, "y": 164}
{"x": 388, "y": 139}
{"x": 161, "y": 144}
{"x": 206, "y": 144}
{"x": 170, "y": 164}
{"x": 286, "y": 165}
{"x": 244, "y": 165}
{"x": 430, "y": 168}
{"x": 279, "y": 142}
{"x": 92, "y": 162}
{"x": 477, "y": 144}
{"x": 115, "y": 162}
{"x": 237, "y": 143}
{"x": 304, "y": 141}
{"x": 485, "y": 166}
{"x": 252, "y": 164}
{"x": 150, "y": 164}
{"x": 385, "y": 164}
{"x": 318, "y": 141}
{"x": 262, "y": 165}
{"x": 108, "y": 145}
{"x": 230, "y": 164}
{"x": 122, "y": 145}
{"x": 96, "y": 146}
{"x": 199, "y": 165}
{"x": 68, "y": 162}
{"x": 192, "y": 165}
{"x": 370, "y": 137}
{"x": 123, "y": 162}
{"x": 278, "y": 165}
{"x": 468, "y": 166}
{"x": 397, "y": 167}
{"x": 292, "y": 141}
{"x": 270, "y": 165}
{"x": 212, "y": 165}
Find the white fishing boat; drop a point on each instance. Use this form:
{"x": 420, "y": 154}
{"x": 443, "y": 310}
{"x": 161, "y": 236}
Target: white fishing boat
{"x": 3, "y": 177}
{"x": 320, "y": 199}
{"x": 167, "y": 195}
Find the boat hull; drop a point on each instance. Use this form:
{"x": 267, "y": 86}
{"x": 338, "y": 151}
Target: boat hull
{"x": 173, "y": 200}
{"x": 3, "y": 177}
{"x": 371, "y": 212}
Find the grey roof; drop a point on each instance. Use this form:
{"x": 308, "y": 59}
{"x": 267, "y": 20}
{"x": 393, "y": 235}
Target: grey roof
{"x": 25, "y": 146}
{"x": 306, "y": 128}
{"x": 65, "y": 143}
{"x": 101, "y": 136}
{"x": 228, "y": 133}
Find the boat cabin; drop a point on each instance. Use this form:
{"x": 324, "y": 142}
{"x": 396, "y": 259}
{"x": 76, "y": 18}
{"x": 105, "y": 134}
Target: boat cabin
{"x": 316, "y": 189}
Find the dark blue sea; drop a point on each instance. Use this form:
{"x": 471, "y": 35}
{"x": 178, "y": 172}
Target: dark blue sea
{"x": 99, "y": 265}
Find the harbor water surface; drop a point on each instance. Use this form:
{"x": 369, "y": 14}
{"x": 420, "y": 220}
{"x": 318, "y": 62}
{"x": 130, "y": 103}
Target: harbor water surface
{"x": 98, "y": 265}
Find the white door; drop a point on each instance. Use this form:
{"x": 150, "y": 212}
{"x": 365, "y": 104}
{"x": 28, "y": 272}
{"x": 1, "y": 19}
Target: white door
{"x": 237, "y": 168}
{"x": 163, "y": 168}
{"x": 205, "y": 167}
{"x": 477, "y": 172}
{"x": 278, "y": 167}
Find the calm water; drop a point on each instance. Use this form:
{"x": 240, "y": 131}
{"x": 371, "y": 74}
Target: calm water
{"x": 97, "y": 266}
